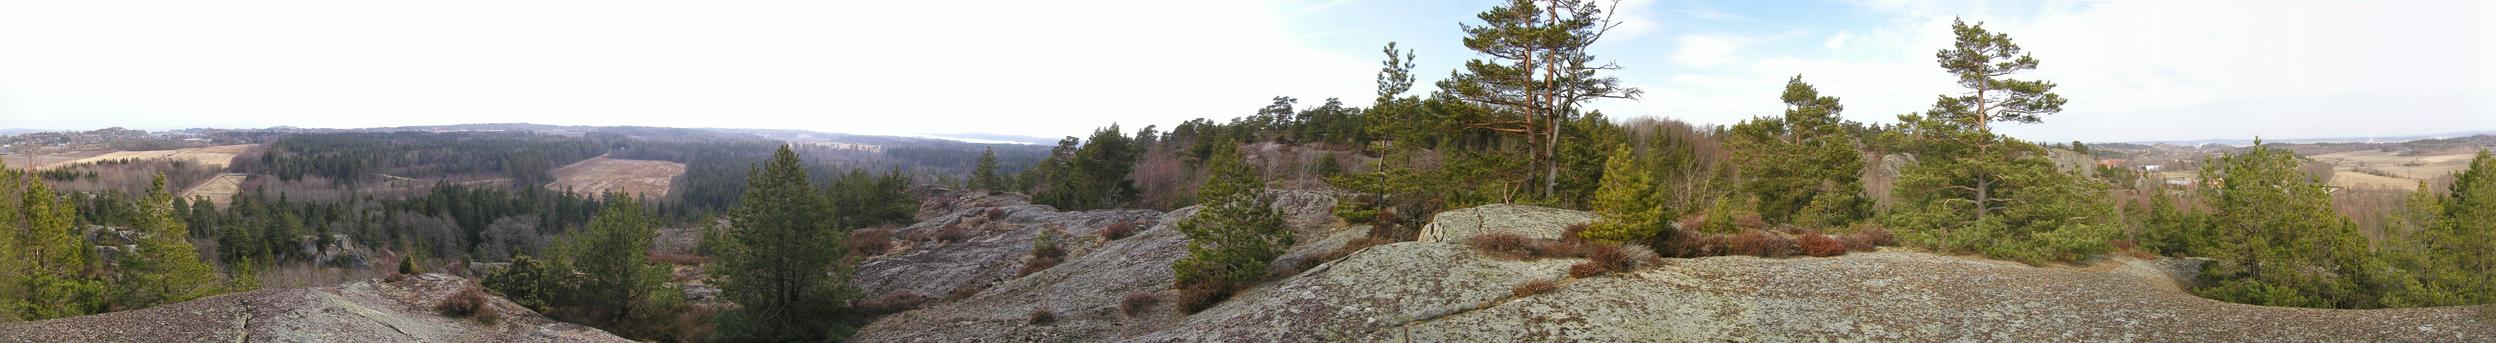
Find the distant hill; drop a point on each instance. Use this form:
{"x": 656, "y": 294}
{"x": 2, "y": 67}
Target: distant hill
{"x": 996, "y": 138}
{"x": 17, "y": 131}
{"x": 2374, "y": 139}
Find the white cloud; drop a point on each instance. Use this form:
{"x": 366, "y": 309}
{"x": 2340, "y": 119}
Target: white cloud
{"x": 1838, "y": 40}
{"x": 1706, "y": 50}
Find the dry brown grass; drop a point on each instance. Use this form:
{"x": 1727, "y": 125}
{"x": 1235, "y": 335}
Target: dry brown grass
{"x": 600, "y": 175}
{"x": 1531, "y": 288}
{"x": 1136, "y": 304}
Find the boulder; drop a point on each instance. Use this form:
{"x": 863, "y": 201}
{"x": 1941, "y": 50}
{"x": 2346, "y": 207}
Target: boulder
{"x": 1532, "y": 222}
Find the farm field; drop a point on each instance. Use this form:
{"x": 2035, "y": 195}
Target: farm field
{"x": 215, "y": 156}
{"x": 599, "y": 175}
{"x": 219, "y": 190}
{"x": 2383, "y": 169}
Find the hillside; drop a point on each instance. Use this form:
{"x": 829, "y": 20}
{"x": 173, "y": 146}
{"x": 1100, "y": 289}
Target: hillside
{"x": 365, "y": 311}
{"x": 1432, "y": 291}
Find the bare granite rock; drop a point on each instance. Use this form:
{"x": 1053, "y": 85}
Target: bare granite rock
{"x": 997, "y": 232}
{"x": 1443, "y": 292}
{"x": 364, "y": 311}
{"x": 1455, "y": 226}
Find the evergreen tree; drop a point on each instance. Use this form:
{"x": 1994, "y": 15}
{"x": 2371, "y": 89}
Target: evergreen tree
{"x": 985, "y": 176}
{"x": 1538, "y": 71}
{"x": 1627, "y": 202}
{"x": 1804, "y": 160}
{"x": 2285, "y": 246}
{"x": 618, "y": 281}
{"x": 780, "y": 263}
{"x": 1234, "y": 236}
{"x": 165, "y": 269}
{"x": 1973, "y": 190}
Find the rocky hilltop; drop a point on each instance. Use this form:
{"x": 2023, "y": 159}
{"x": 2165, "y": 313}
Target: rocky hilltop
{"x": 365, "y": 312}
{"x": 1436, "y": 291}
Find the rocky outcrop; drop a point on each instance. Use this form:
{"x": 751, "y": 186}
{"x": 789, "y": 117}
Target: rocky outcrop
{"x": 1529, "y": 221}
{"x": 365, "y": 311}
{"x": 1445, "y": 292}
{"x": 992, "y": 239}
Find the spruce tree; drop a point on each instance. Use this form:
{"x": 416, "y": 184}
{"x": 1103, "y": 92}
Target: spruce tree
{"x": 618, "y": 280}
{"x": 779, "y": 264}
{"x": 1627, "y": 202}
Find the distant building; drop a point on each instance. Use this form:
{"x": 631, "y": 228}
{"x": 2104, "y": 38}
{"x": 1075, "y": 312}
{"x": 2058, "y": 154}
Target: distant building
{"x": 2109, "y": 163}
{"x": 2151, "y": 168}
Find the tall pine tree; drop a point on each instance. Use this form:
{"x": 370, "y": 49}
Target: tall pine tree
{"x": 780, "y": 261}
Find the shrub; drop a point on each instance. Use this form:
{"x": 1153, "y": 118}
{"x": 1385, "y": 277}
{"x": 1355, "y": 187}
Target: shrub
{"x": 1762, "y": 244}
{"x": 1690, "y": 243}
{"x": 870, "y": 242}
{"x": 995, "y": 213}
{"x": 1199, "y": 296}
{"x": 964, "y": 292}
{"x": 1575, "y": 233}
{"x": 1601, "y": 259}
{"x": 1530, "y": 288}
{"x": 952, "y": 234}
{"x": 1818, "y": 245}
{"x": 894, "y": 302}
{"x": 470, "y": 302}
{"x": 1042, "y": 316}
{"x": 1503, "y": 245}
{"x": 1869, "y": 240}
{"x": 1036, "y": 265}
{"x": 1560, "y": 248}
{"x": 1137, "y": 303}
{"x": 1117, "y": 231}
{"x": 1044, "y": 253}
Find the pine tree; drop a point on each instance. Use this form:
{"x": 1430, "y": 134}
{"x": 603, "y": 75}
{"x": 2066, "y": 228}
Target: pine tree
{"x": 618, "y": 279}
{"x": 2286, "y": 246}
{"x": 2469, "y": 229}
{"x": 1232, "y": 238}
{"x": 780, "y": 261}
{"x": 1538, "y": 71}
{"x": 1627, "y": 202}
{"x": 1973, "y": 190}
{"x": 165, "y": 269}
{"x": 1804, "y": 160}
{"x": 985, "y": 176}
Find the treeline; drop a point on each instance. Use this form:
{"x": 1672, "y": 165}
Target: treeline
{"x": 49, "y": 269}
{"x": 356, "y": 157}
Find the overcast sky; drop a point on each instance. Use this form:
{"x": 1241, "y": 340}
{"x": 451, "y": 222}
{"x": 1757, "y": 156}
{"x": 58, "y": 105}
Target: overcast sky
{"x": 2134, "y": 70}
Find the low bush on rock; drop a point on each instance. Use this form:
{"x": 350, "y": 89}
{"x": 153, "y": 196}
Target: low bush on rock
{"x": 1762, "y": 244}
{"x": 1041, "y": 316}
{"x": 870, "y": 242}
{"x": 1815, "y": 244}
{"x": 1503, "y": 245}
{"x": 1117, "y": 231}
{"x": 1530, "y": 288}
{"x": 471, "y": 302}
{"x": 1135, "y": 304}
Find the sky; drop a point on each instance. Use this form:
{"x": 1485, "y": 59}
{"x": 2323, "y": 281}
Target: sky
{"x": 2134, "y": 70}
